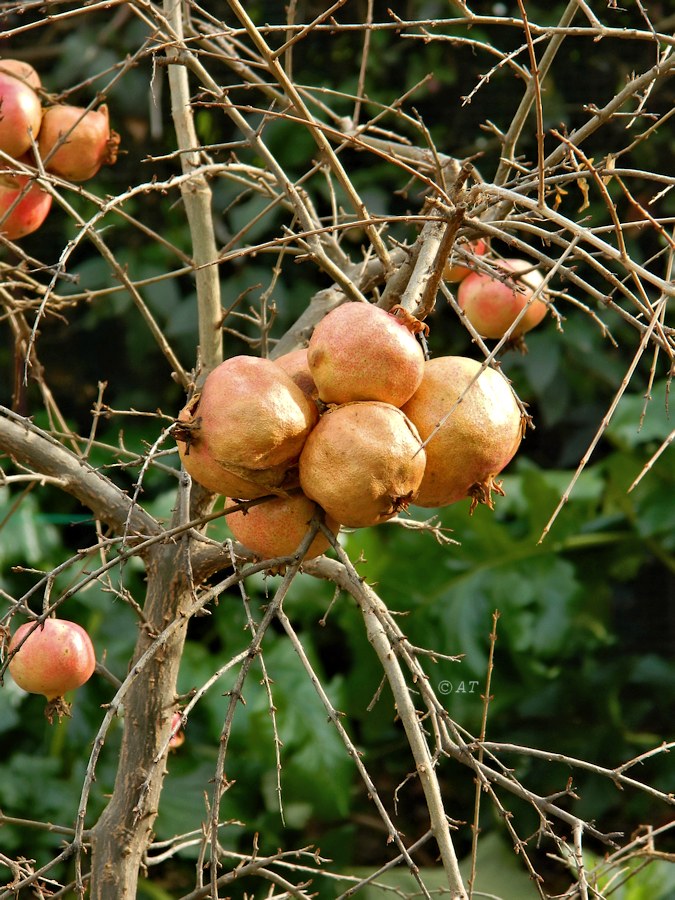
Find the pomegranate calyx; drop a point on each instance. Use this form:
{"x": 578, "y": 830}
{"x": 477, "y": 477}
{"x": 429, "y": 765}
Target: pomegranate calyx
{"x": 412, "y": 323}
{"x": 57, "y": 707}
{"x": 481, "y": 493}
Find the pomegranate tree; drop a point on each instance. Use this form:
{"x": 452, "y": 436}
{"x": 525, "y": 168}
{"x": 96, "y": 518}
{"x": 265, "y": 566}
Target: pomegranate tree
{"x": 51, "y": 658}
{"x": 75, "y": 142}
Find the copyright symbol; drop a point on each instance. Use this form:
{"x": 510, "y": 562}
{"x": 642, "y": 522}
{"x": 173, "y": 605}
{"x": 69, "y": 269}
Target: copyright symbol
{"x": 445, "y": 687}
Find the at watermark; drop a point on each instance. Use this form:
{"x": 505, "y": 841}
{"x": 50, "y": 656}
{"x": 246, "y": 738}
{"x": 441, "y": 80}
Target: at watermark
{"x": 458, "y": 687}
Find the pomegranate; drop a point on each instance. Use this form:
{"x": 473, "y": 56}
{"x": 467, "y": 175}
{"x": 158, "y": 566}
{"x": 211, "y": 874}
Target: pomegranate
{"x": 21, "y": 70}
{"x": 23, "y": 205}
{"x": 203, "y": 468}
{"x": 455, "y": 271}
{"x": 361, "y": 352}
{"x": 362, "y": 463}
{"x": 492, "y": 305}
{"x": 55, "y": 657}
{"x": 20, "y": 108}
{"x": 177, "y": 739}
{"x": 295, "y": 364}
{"x": 74, "y": 142}
{"x": 277, "y": 527}
{"x": 253, "y": 418}
{"x": 467, "y": 444}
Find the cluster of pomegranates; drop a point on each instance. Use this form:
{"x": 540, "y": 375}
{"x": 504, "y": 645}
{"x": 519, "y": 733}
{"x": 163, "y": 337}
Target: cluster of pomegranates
{"x": 72, "y": 141}
{"x": 359, "y": 423}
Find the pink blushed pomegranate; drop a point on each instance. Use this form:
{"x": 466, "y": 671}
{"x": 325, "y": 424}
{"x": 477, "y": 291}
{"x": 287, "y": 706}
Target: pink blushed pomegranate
{"x": 74, "y": 142}
{"x": 361, "y": 352}
{"x": 455, "y": 271}
{"x": 52, "y": 659}
{"x": 20, "y": 109}
{"x": 24, "y": 205}
{"x": 492, "y": 305}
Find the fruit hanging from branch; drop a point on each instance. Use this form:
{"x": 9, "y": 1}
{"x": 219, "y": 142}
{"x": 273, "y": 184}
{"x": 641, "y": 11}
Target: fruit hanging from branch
{"x": 277, "y": 527}
{"x": 363, "y": 463}
{"x": 361, "y": 352}
{"x": 493, "y": 304}
{"x": 75, "y": 142}
{"x": 250, "y": 421}
{"x": 51, "y": 658}
{"x": 471, "y": 425}
{"x": 20, "y": 107}
{"x": 455, "y": 271}
{"x": 24, "y": 205}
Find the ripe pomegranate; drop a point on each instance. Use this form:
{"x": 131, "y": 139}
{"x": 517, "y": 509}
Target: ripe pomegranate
{"x": 295, "y": 364}
{"x": 362, "y": 463}
{"x": 203, "y": 468}
{"x": 253, "y": 417}
{"x": 23, "y": 205}
{"x": 74, "y": 142}
{"x": 177, "y": 739}
{"x": 21, "y": 70}
{"x": 277, "y": 527}
{"x": 54, "y": 658}
{"x": 469, "y": 448}
{"x": 492, "y": 305}
{"x": 455, "y": 272}
{"x": 20, "y": 108}
{"x": 361, "y": 352}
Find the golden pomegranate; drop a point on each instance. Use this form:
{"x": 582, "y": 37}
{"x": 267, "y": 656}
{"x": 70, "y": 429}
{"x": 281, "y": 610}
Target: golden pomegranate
{"x": 203, "y": 468}
{"x": 252, "y": 415}
{"x": 471, "y": 429}
{"x": 278, "y": 526}
{"x": 362, "y": 463}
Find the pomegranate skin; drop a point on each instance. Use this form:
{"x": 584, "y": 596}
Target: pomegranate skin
{"x": 477, "y": 439}
{"x": 492, "y": 306}
{"x": 20, "y": 111}
{"x": 363, "y": 463}
{"x": 294, "y": 363}
{"x": 455, "y": 272}
{"x": 56, "y": 657}
{"x": 21, "y": 70}
{"x": 31, "y": 209}
{"x": 252, "y": 415}
{"x": 74, "y": 142}
{"x": 203, "y": 468}
{"x": 277, "y": 527}
{"x": 361, "y": 352}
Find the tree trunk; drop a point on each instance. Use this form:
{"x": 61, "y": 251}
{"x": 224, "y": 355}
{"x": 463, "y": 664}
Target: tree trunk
{"x": 125, "y": 829}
